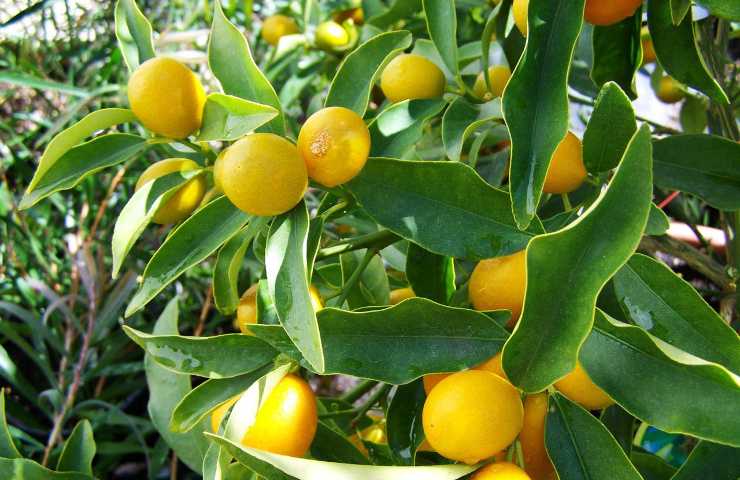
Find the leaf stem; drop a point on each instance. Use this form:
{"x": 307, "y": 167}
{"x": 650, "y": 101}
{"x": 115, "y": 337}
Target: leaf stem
{"x": 377, "y": 240}
{"x": 359, "y": 390}
{"x": 355, "y": 277}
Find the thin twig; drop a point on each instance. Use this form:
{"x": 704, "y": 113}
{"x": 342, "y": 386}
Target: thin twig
{"x": 204, "y": 312}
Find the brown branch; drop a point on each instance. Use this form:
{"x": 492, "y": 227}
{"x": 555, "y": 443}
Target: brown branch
{"x": 104, "y": 204}
{"x": 204, "y": 312}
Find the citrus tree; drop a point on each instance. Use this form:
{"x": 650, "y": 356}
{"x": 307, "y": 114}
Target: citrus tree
{"x": 439, "y": 216}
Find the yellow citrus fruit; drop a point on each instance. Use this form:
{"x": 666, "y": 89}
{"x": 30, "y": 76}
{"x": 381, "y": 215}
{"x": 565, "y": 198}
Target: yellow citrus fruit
{"x": 532, "y": 438}
{"x": 263, "y": 174}
{"x": 581, "y": 389}
{"x": 400, "y": 294}
{"x": 567, "y": 171}
{"x": 246, "y": 312}
{"x": 411, "y": 76}
{"x": 331, "y": 35}
{"x": 608, "y": 12}
{"x": 472, "y": 415}
{"x": 217, "y": 172}
{"x": 500, "y": 471}
{"x": 185, "y": 200}
{"x": 492, "y": 365}
{"x": 499, "y": 283}
{"x": 286, "y": 421}
{"x": 334, "y": 143}
{"x": 166, "y": 97}
{"x": 520, "y": 10}
{"x": 375, "y": 433}
{"x": 277, "y": 26}
{"x": 669, "y": 90}
{"x": 356, "y": 14}
{"x": 218, "y": 414}
{"x": 648, "y": 50}
{"x": 498, "y": 76}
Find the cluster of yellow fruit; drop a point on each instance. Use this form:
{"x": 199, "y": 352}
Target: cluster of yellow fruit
{"x": 330, "y": 35}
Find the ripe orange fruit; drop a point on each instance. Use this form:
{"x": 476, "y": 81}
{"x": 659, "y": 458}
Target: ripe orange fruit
{"x": 520, "y": 10}
{"x": 500, "y": 471}
{"x": 608, "y": 12}
{"x": 567, "y": 171}
{"x": 411, "y": 76}
{"x": 498, "y": 77}
{"x": 532, "y": 438}
{"x": 400, "y": 294}
{"x": 581, "y": 389}
{"x": 648, "y": 50}
{"x": 277, "y": 26}
{"x": 499, "y": 283}
{"x": 492, "y": 365}
{"x": 180, "y": 205}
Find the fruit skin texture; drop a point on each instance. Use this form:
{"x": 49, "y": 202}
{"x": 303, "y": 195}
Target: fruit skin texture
{"x": 263, "y": 174}
{"x": 400, "y": 294}
{"x": 669, "y": 90}
{"x": 411, "y": 76}
{"x": 472, "y": 415}
{"x": 331, "y": 35}
{"x": 218, "y": 414}
{"x": 520, "y": 11}
{"x": 334, "y": 143}
{"x": 578, "y": 387}
{"x": 608, "y": 12}
{"x": 277, "y": 26}
{"x": 532, "y": 437}
{"x": 286, "y": 422}
{"x": 246, "y": 312}
{"x": 499, "y": 283}
{"x": 498, "y": 77}
{"x": 492, "y": 365}
{"x": 167, "y": 97}
{"x": 567, "y": 171}
{"x": 185, "y": 200}
{"x": 500, "y": 471}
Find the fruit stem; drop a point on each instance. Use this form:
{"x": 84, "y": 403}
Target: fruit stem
{"x": 566, "y": 202}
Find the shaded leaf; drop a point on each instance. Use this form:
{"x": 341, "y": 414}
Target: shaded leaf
{"x": 403, "y": 421}
{"x": 79, "y": 450}
{"x": 331, "y": 445}
{"x": 462, "y": 118}
{"x": 658, "y": 222}
{"x": 617, "y": 53}
{"x": 652, "y": 467}
{"x": 609, "y": 130}
{"x": 7, "y": 446}
{"x": 621, "y": 425}
{"x": 372, "y": 287}
{"x": 397, "y": 128}
{"x": 710, "y": 460}
{"x": 431, "y": 276}
{"x": 728, "y": 9}
{"x": 24, "y": 469}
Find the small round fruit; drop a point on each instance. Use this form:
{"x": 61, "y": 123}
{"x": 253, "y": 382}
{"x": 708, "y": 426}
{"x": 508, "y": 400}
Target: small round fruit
{"x": 472, "y": 415}
{"x": 166, "y": 97}
{"x": 400, "y": 294}
{"x": 334, "y": 143}
{"x": 500, "y": 471}
{"x": 499, "y": 283}
{"x": 180, "y": 205}
{"x": 520, "y": 10}
{"x": 356, "y": 14}
{"x": 277, "y": 26}
{"x": 567, "y": 171}
{"x": 648, "y": 50}
{"x": 498, "y": 77}
{"x": 218, "y": 414}
{"x": 431, "y": 380}
{"x": 286, "y": 422}
{"x": 532, "y": 438}
{"x": 330, "y": 35}
{"x": 246, "y": 312}
{"x": 411, "y": 76}
{"x": 581, "y": 389}
{"x": 608, "y": 12}
{"x": 263, "y": 174}
{"x": 669, "y": 90}
{"x": 492, "y": 365}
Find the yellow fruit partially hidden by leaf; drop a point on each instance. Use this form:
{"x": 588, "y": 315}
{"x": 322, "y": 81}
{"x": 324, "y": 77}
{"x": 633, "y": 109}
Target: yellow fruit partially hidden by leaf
{"x": 411, "y": 76}
{"x": 286, "y": 422}
{"x": 334, "y": 143}
{"x": 532, "y": 438}
{"x": 567, "y": 171}
{"x": 375, "y": 433}
{"x": 520, "y": 10}
{"x": 166, "y": 97}
{"x": 498, "y": 77}
{"x": 578, "y": 387}
{"x": 246, "y": 312}
{"x": 400, "y": 294}
{"x": 669, "y": 90}
{"x": 492, "y": 365}
{"x": 263, "y": 174}
{"x": 608, "y": 12}
{"x": 499, "y": 283}
{"x": 500, "y": 471}
{"x": 218, "y": 414}
{"x": 277, "y": 26}
{"x": 648, "y": 49}
{"x": 356, "y": 14}
{"x": 331, "y": 35}
{"x": 187, "y": 198}
{"x": 472, "y": 415}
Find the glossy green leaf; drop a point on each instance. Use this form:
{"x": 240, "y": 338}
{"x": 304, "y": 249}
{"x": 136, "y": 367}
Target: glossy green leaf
{"x": 707, "y": 166}
{"x": 331, "y": 445}
{"x": 287, "y": 276}
{"x": 684, "y": 394}
{"x": 618, "y": 53}
{"x": 400, "y": 126}
{"x": 561, "y": 291}
{"x": 398, "y": 9}
{"x": 580, "y": 447}
{"x": 658, "y": 222}
{"x": 190, "y": 243}
{"x": 403, "y": 421}
{"x": 425, "y": 201}
{"x": 133, "y": 33}
{"x": 226, "y": 117}
{"x": 679, "y": 9}
{"x": 431, "y": 276}
{"x": 667, "y": 307}
{"x": 441, "y": 20}
{"x": 79, "y": 450}
{"x": 710, "y": 460}
{"x": 7, "y": 446}
{"x": 356, "y": 76}
{"x": 609, "y": 130}
{"x": 372, "y": 287}
{"x": 24, "y": 469}
{"x": 462, "y": 118}
{"x": 70, "y": 168}
{"x": 652, "y": 467}
{"x": 677, "y": 51}
{"x": 536, "y": 102}
{"x": 728, "y": 9}
{"x": 220, "y": 356}
{"x": 230, "y": 60}
{"x": 275, "y": 335}
{"x": 621, "y": 425}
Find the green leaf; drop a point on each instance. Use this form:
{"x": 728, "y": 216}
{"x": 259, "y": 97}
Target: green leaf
{"x": 425, "y": 201}
{"x": 403, "y": 421}
{"x": 567, "y": 269}
{"x": 618, "y": 53}
{"x": 580, "y": 447}
{"x": 621, "y": 425}
{"x": 24, "y": 80}
{"x": 652, "y": 467}
{"x": 221, "y": 356}
{"x": 190, "y": 243}
{"x": 230, "y": 60}
{"x": 462, "y": 118}
{"x": 704, "y": 165}
{"x": 398, "y": 10}
{"x": 79, "y": 450}
{"x": 356, "y": 75}
{"x": 332, "y": 445}
{"x": 372, "y": 287}
{"x": 679, "y": 9}
{"x": 658, "y": 222}
{"x": 710, "y": 460}
{"x": 609, "y": 130}
{"x": 536, "y": 101}
{"x": 398, "y": 128}
{"x": 441, "y": 20}
{"x": 431, "y": 276}
{"x": 80, "y": 161}
{"x": 24, "y": 469}
{"x": 226, "y": 117}
{"x": 693, "y": 114}
{"x": 287, "y": 276}
{"x": 7, "y": 446}
{"x": 728, "y": 9}
{"x": 684, "y": 394}
{"x": 133, "y": 33}
{"x": 139, "y": 210}
{"x": 677, "y": 51}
